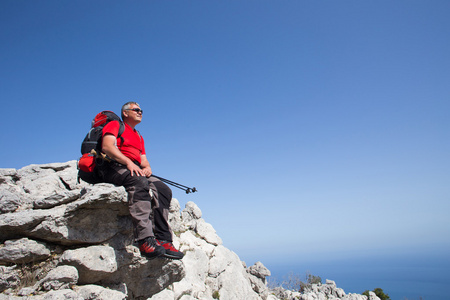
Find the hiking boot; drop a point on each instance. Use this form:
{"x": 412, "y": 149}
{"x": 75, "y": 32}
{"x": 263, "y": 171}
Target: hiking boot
{"x": 171, "y": 252}
{"x": 151, "y": 248}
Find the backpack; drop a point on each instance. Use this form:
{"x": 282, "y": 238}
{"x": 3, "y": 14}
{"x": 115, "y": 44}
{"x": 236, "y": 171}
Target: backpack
{"x": 92, "y": 141}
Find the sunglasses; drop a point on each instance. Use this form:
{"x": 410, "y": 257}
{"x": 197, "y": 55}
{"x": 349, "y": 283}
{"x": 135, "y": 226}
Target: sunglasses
{"x": 138, "y": 110}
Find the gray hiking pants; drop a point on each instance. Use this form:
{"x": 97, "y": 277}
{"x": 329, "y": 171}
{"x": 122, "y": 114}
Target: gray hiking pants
{"x": 149, "y": 214}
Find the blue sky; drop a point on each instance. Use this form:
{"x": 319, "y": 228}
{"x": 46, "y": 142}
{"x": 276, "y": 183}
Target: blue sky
{"x": 315, "y": 129}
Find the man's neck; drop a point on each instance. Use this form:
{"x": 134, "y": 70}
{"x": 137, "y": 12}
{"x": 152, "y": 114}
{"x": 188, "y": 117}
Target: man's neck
{"x": 130, "y": 123}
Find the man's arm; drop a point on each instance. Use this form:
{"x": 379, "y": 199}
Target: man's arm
{"x": 145, "y": 165}
{"x": 110, "y": 149}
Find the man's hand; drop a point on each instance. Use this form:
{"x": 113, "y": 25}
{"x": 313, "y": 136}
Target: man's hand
{"x": 145, "y": 165}
{"x": 147, "y": 171}
{"x": 135, "y": 169}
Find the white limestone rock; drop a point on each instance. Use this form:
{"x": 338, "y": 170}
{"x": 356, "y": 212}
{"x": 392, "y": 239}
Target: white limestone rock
{"x": 88, "y": 230}
{"x": 93, "y": 263}
{"x": 207, "y": 232}
{"x": 23, "y": 251}
{"x": 65, "y": 294}
{"x": 99, "y": 293}
{"x": 190, "y": 214}
{"x": 354, "y": 297}
{"x": 20, "y": 223}
{"x": 230, "y": 276}
{"x": 163, "y": 295}
{"x": 61, "y": 277}
{"x": 175, "y": 217}
{"x": 40, "y": 181}
{"x": 196, "y": 266}
{"x": 191, "y": 211}
{"x": 259, "y": 270}
{"x": 189, "y": 241}
{"x": 9, "y": 201}
{"x": 9, "y": 278}
{"x": 58, "y": 198}
{"x": 373, "y": 296}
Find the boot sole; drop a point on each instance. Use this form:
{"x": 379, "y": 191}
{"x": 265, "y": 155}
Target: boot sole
{"x": 169, "y": 256}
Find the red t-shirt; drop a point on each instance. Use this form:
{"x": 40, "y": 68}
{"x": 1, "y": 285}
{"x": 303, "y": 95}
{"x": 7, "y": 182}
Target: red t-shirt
{"x": 133, "y": 144}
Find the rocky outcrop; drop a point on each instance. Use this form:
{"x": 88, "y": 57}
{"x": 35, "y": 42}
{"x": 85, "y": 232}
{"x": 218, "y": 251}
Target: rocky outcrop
{"x": 328, "y": 291}
{"x": 62, "y": 239}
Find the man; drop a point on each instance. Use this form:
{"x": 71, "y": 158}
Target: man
{"x": 147, "y": 195}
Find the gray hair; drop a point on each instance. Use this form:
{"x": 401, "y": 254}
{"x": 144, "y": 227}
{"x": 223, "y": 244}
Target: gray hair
{"x": 127, "y": 106}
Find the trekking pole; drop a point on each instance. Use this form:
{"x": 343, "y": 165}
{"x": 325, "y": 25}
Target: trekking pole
{"x": 180, "y": 186}
{"x": 177, "y": 185}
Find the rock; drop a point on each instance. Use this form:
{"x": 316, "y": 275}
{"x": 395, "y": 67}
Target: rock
{"x": 9, "y": 278}
{"x": 190, "y": 241}
{"x": 259, "y": 270}
{"x": 23, "y": 251}
{"x": 175, "y": 217}
{"x": 42, "y": 181}
{"x": 150, "y": 277}
{"x": 207, "y": 232}
{"x": 93, "y": 263}
{"x": 373, "y": 296}
{"x": 196, "y": 268}
{"x": 190, "y": 214}
{"x": 9, "y": 201}
{"x": 26, "y": 291}
{"x": 56, "y": 199}
{"x": 228, "y": 276}
{"x": 62, "y": 277}
{"x": 99, "y": 293}
{"x": 163, "y": 295}
{"x": 95, "y": 218}
{"x": 354, "y": 297}
{"x": 66, "y": 294}
{"x": 20, "y": 223}
{"x": 257, "y": 276}
{"x": 70, "y": 240}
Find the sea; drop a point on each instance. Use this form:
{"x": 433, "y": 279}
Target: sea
{"x": 408, "y": 277}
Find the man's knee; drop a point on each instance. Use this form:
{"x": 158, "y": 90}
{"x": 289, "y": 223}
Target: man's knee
{"x": 141, "y": 182}
{"x": 163, "y": 190}
{"x": 139, "y": 187}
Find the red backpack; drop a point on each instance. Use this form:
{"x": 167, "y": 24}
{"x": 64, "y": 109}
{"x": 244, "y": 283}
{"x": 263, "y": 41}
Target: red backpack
{"x": 93, "y": 141}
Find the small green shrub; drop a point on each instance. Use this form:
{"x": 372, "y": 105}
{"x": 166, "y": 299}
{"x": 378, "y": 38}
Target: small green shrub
{"x": 216, "y": 295}
{"x": 380, "y": 294}
{"x": 310, "y": 280}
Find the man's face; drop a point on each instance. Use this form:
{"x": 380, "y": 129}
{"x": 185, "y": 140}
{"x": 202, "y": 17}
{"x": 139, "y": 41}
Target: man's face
{"x": 134, "y": 115}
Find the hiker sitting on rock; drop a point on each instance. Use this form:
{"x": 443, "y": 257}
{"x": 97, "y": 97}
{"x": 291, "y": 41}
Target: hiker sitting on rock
{"x": 146, "y": 195}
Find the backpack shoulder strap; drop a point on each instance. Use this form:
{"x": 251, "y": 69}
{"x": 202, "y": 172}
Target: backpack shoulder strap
{"x": 140, "y": 136}
{"x": 121, "y": 130}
